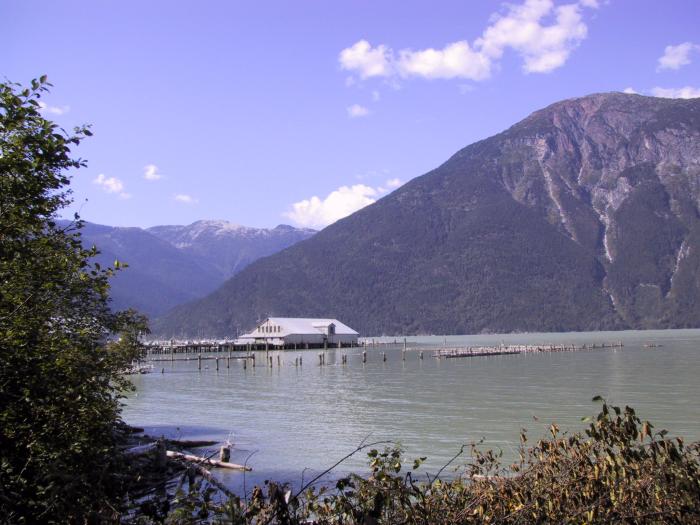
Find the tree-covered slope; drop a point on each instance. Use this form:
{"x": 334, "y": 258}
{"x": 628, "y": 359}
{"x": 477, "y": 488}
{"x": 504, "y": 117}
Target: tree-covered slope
{"x": 582, "y": 216}
{"x": 171, "y": 265}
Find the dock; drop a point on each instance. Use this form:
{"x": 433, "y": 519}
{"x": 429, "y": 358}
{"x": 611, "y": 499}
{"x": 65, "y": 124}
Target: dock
{"x": 487, "y": 351}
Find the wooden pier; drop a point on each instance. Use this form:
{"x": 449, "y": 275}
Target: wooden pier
{"x": 487, "y": 351}
{"x": 207, "y": 347}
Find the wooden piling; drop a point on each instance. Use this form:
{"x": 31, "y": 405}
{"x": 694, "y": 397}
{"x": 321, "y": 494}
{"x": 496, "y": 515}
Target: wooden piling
{"x": 217, "y": 364}
{"x": 384, "y": 356}
{"x": 364, "y": 356}
{"x": 199, "y": 362}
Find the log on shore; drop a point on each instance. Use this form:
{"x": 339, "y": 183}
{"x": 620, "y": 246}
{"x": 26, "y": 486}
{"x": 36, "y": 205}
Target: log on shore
{"x": 207, "y": 461}
{"x": 199, "y": 469}
{"x": 141, "y": 449}
{"x": 184, "y": 443}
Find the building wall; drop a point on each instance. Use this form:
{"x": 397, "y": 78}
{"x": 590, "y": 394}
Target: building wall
{"x": 312, "y": 339}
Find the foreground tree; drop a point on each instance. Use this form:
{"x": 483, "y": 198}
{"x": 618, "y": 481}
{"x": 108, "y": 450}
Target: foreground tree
{"x": 60, "y": 380}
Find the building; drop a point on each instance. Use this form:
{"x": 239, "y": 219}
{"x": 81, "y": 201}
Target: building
{"x": 301, "y": 332}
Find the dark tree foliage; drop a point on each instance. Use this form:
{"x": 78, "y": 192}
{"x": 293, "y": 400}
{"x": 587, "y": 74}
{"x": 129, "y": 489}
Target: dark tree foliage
{"x": 60, "y": 378}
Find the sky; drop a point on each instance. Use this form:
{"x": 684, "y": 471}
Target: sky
{"x": 268, "y": 112}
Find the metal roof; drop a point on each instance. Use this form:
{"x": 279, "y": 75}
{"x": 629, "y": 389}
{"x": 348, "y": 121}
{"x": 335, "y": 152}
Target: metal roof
{"x": 303, "y": 325}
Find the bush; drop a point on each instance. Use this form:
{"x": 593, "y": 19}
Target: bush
{"x": 617, "y": 471}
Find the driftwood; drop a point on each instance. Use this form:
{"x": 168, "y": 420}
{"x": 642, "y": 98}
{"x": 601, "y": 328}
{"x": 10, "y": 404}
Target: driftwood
{"x": 141, "y": 449}
{"x": 199, "y": 469}
{"x": 206, "y": 461}
{"x": 184, "y": 443}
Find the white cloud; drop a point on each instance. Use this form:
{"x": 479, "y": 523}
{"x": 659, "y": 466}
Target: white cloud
{"x": 357, "y": 111}
{"x": 319, "y": 213}
{"x": 53, "y": 110}
{"x": 393, "y": 183}
{"x": 543, "y": 47}
{"x": 630, "y": 91}
{"x": 111, "y": 185}
{"x": 456, "y": 60}
{"x": 366, "y": 60}
{"x": 375, "y": 96}
{"x": 684, "y": 92}
{"x": 150, "y": 172}
{"x": 675, "y": 57}
{"x": 185, "y": 198}
{"x": 543, "y": 34}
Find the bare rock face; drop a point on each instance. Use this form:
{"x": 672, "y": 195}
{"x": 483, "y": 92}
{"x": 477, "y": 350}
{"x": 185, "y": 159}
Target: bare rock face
{"x": 583, "y": 216}
{"x": 619, "y": 175}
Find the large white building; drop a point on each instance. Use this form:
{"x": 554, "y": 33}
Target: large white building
{"x": 301, "y": 332}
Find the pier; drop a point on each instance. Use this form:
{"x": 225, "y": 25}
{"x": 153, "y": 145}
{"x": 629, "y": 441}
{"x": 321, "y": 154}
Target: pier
{"x": 486, "y": 351}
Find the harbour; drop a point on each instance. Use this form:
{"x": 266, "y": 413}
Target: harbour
{"x": 292, "y": 416}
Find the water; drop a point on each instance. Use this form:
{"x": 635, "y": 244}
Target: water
{"x": 288, "y": 422}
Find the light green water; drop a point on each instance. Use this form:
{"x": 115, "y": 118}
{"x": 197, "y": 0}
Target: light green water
{"x": 295, "y": 418}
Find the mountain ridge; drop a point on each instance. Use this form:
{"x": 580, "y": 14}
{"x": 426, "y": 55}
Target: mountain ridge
{"x": 584, "y": 215}
{"x": 162, "y": 274}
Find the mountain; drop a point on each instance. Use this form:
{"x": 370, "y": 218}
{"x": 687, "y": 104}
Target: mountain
{"x": 583, "y": 216}
{"x": 158, "y": 277}
{"x": 170, "y": 265}
{"x": 229, "y": 247}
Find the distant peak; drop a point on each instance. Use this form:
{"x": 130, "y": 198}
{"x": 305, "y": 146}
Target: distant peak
{"x": 217, "y": 223}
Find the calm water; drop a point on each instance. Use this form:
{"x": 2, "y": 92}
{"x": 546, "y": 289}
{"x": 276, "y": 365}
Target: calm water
{"x": 295, "y": 418}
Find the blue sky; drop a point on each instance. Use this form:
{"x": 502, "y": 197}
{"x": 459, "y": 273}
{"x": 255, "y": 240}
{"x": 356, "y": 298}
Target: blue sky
{"x": 267, "y": 112}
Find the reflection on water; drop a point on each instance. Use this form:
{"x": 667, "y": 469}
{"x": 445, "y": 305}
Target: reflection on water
{"x": 295, "y": 418}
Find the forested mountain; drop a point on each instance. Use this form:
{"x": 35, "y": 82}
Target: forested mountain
{"x": 170, "y": 265}
{"x": 583, "y": 216}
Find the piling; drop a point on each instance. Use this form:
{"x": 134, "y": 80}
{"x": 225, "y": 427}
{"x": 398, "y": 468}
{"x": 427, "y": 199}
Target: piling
{"x": 225, "y": 454}
{"x": 320, "y": 359}
{"x": 299, "y": 360}
{"x": 384, "y": 356}
{"x": 278, "y": 360}
{"x": 217, "y": 364}
{"x": 245, "y": 364}
{"x": 270, "y": 359}
{"x": 199, "y": 362}
{"x": 364, "y": 356}
{"x": 228, "y": 362}
{"x": 421, "y": 355}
